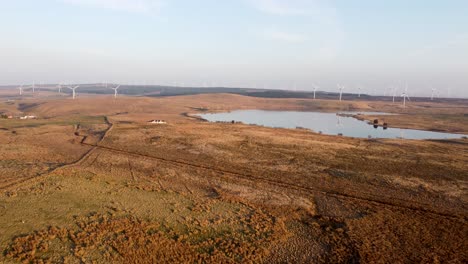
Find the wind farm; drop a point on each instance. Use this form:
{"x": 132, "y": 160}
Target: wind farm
{"x": 260, "y": 131}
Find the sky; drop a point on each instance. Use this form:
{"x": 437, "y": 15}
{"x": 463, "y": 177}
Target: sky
{"x": 379, "y": 45}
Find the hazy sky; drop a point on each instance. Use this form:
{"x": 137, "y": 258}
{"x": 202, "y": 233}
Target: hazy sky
{"x": 256, "y": 43}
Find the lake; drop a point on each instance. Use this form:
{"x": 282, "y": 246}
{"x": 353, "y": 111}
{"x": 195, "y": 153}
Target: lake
{"x": 326, "y": 123}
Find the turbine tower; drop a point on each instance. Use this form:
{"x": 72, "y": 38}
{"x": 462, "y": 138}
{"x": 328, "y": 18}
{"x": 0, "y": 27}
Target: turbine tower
{"x": 394, "y": 93}
{"x": 73, "y": 90}
{"x": 34, "y": 86}
{"x": 59, "y": 86}
{"x": 432, "y": 95}
{"x": 21, "y": 90}
{"x": 405, "y": 96}
{"x": 115, "y": 90}
{"x": 341, "y": 90}
{"x": 359, "y": 91}
{"x": 315, "y": 89}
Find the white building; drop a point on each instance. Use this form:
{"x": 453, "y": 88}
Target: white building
{"x": 28, "y": 117}
{"x": 157, "y": 122}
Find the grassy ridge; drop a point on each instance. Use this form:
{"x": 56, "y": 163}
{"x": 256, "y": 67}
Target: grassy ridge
{"x": 73, "y": 120}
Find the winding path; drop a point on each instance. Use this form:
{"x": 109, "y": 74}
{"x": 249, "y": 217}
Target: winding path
{"x": 77, "y": 162}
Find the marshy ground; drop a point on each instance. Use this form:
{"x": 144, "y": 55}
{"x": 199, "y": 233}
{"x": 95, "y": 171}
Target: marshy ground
{"x": 91, "y": 181}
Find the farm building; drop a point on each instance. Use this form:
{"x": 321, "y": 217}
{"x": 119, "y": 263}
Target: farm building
{"x": 156, "y": 121}
{"x": 28, "y": 117}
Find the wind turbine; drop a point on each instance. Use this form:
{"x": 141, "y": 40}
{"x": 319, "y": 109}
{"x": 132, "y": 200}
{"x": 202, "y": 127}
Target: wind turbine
{"x": 341, "y": 90}
{"x": 115, "y": 90}
{"x": 432, "y": 95}
{"x": 359, "y": 91}
{"x": 73, "y": 90}
{"x": 59, "y": 86}
{"x": 21, "y": 90}
{"x": 34, "y": 86}
{"x": 315, "y": 89}
{"x": 405, "y": 95}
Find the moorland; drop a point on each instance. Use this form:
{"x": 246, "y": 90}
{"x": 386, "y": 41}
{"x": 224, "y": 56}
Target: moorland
{"x": 91, "y": 181}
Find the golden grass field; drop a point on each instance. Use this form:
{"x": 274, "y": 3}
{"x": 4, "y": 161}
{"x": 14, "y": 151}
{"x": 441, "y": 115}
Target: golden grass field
{"x": 115, "y": 189}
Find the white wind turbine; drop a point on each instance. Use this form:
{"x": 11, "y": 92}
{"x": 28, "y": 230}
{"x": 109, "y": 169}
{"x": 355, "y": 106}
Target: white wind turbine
{"x": 59, "y": 86}
{"x": 359, "y": 91}
{"x": 34, "y": 87}
{"x": 394, "y": 93}
{"x": 21, "y": 90}
{"x": 73, "y": 90}
{"x": 315, "y": 89}
{"x": 341, "y": 90}
{"x": 405, "y": 96}
{"x": 115, "y": 90}
{"x": 432, "y": 95}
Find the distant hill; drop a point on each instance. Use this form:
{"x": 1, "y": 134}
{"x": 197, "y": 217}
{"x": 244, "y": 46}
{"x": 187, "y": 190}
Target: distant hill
{"x": 163, "y": 91}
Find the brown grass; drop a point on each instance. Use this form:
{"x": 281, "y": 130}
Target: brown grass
{"x": 192, "y": 191}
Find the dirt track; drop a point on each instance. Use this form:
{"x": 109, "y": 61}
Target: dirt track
{"x": 398, "y": 203}
{"x": 52, "y": 170}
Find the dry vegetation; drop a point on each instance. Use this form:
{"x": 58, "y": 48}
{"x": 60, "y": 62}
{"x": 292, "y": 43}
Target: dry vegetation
{"x": 116, "y": 189}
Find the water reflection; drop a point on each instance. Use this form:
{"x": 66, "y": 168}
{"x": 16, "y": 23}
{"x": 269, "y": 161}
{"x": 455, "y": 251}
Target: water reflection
{"x": 326, "y": 123}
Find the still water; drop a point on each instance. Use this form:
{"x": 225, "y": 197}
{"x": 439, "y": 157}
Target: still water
{"x": 326, "y": 123}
